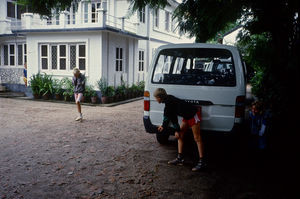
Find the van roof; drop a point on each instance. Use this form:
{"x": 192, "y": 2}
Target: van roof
{"x": 197, "y": 45}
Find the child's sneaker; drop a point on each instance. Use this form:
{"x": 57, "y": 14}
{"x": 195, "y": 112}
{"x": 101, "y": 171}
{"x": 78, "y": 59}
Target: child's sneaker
{"x": 79, "y": 118}
{"x": 200, "y": 166}
{"x": 177, "y": 161}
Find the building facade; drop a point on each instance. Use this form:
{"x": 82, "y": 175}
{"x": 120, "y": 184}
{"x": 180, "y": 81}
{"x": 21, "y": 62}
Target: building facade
{"x": 102, "y": 38}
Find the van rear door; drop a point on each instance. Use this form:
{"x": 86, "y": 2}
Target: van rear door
{"x": 208, "y": 77}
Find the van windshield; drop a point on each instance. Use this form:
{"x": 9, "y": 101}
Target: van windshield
{"x": 195, "y": 66}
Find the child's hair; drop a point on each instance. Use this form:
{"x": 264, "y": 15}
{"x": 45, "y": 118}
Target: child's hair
{"x": 160, "y": 92}
{"x": 258, "y": 105}
{"x": 76, "y": 70}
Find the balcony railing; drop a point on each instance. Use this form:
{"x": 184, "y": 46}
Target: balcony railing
{"x": 65, "y": 20}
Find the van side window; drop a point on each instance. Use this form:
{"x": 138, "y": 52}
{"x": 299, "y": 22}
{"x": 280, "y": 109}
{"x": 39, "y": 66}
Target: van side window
{"x": 211, "y": 67}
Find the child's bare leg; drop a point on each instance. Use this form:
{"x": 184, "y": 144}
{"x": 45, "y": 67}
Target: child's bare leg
{"x": 78, "y": 107}
{"x": 183, "y": 128}
{"x": 198, "y": 139}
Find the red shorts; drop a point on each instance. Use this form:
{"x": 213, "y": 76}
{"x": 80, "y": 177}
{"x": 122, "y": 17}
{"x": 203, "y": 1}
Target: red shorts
{"x": 191, "y": 122}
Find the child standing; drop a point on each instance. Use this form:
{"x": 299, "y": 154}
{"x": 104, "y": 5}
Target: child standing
{"x": 191, "y": 118}
{"x": 78, "y": 81}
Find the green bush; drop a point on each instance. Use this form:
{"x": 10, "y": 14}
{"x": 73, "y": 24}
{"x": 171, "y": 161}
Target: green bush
{"x": 41, "y": 84}
{"x": 67, "y": 87}
{"x": 57, "y": 87}
{"x": 106, "y": 90}
{"x": 35, "y": 83}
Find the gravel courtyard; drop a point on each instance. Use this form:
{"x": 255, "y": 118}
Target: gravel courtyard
{"x": 44, "y": 153}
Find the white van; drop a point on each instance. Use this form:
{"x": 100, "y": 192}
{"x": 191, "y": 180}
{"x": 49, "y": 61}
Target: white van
{"x": 210, "y": 76}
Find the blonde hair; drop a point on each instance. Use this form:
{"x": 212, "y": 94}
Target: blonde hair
{"x": 160, "y": 92}
{"x": 76, "y": 70}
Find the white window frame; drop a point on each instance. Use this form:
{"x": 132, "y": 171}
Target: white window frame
{"x": 167, "y": 21}
{"x": 119, "y": 59}
{"x": 25, "y": 53}
{"x": 10, "y": 54}
{"x": 81, "y": 57}
{"x": 142, "y": 15}
{"x": 44, "y": 57}
{"x": 156, "y": 18}
{"x": 71, "y": 16}
{"x": 141, "y": 66}
{"x": 58, "y": 57}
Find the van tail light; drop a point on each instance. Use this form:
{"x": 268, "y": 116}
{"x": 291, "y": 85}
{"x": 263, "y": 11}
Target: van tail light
{"x": 240, "y": 107}
{"x": 146, "y": 101}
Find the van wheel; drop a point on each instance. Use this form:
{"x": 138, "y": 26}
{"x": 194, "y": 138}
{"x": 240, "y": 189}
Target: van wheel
{"x": 162, "y": 138}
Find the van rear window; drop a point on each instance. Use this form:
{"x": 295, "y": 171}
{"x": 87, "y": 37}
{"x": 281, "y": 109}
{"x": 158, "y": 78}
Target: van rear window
{"x": 195, "y": 66}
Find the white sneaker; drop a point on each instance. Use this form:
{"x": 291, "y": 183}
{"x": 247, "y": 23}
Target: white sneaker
{"x": 79, "y": 118}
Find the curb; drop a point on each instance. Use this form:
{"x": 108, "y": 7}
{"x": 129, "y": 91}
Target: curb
{"x": 64, "y": 102}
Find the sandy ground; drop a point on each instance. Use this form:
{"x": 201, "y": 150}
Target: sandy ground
{"x": 44, "y": 153}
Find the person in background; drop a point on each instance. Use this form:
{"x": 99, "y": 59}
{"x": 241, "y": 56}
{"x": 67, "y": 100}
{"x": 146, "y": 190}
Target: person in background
{"x": 259, "y": 124}
{"x": 25, "y": 74}
{"x": 175, "y": 107}
{"x": 78, "y": 82}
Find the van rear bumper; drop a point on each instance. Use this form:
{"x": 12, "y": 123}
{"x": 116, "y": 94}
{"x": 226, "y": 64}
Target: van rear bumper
{"x": 150, "y": 128}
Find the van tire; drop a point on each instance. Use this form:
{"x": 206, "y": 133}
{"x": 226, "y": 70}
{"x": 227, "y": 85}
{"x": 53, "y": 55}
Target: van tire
{"x": 162, "y": 138}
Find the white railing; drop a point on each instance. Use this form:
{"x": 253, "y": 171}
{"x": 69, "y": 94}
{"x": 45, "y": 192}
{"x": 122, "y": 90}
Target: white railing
{"x": 66, "y": 20}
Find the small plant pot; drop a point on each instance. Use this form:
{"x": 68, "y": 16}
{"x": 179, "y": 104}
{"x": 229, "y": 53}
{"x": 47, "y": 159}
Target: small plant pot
{"x": 67, "y": 98}
{"x": 36, "y": 96}
{"x": 57, "y": 97}
{"x": 46, "y": 97}
{"x": 94, "y": 99}
{"x": 104, "y": 99}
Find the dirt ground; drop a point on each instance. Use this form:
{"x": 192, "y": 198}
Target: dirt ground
{"x": 44, "y": 153}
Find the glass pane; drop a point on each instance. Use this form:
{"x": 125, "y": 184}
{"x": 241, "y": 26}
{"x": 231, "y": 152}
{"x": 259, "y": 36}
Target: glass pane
{"x": 20, "y": 10}
{"x": 5, "y": 54}
{"x": 44, "y": 51}
{"x": 121, "y": 53}
{"x": 11, "y": 10}
{"x": 117, "y": 53}
{"x": 11, "y": 49}
{"x": 20, "y": 54}
{"x": 62, "y": 64}
{"x": 54, "y": 57}
{"x": 44, "y": 63}
{"x": 81, "y": 50}
{"x": 192, "y": 66}
{"x": 120, "y": 67}
{"x": 81, "y": 64}
{"x": 72, "y": 57}
{"x": 62, "y": 50}
{"x": 86, "y": 12}
{"x": 25, "y": 59}
{"x": 25, "y": 48}
{"x": 12, "y": 60}
{"x": 117, "y": 65}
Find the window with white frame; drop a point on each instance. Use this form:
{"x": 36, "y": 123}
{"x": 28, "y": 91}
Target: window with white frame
{"x": 63, "y": 57}
{"x": 20, "y": 54}
{"x": 44, "y": 57}
{"x": 12, "y": 55}
{"x": 142, "y": 15}
{"x": 25, "y": 53}
{"x": 14, "y": 10}
{"x": 71, "y": 17}
{"x": 156, "y": 18}
{"x": 167, "y": 21}
{"x": 119, "y": 59}
{"x": 94, "y": 7}
{"x": 141, "y": 60}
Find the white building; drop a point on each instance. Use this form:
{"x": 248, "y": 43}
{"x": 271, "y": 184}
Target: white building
{"x": 98, "y": 36}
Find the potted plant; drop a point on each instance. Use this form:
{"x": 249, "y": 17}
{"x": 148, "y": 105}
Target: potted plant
{"x": 88, "y": 93}
{"x": 106, "y": 91}
{"x": 94, "y": 97}
{"x": 35, "y": 85}
{"x": 141, "y": 88}
{"x": 57, "y": 89}
{"x": 68, "y": 88}
{"x": 46, "y": 86}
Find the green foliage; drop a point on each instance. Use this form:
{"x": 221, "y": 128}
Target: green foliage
{"x": 89, "y": 91}
{"x": 106, "y": 91}
{"x": 57, "y": 87}
{"x": 120, "y": 90}
{"x": 68, "y": 87}
{"x": 41, "y": 84}
{"x": 35, "y": 83}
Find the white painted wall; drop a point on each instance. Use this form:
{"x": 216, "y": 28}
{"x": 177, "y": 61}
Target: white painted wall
{"x": 93, "y": 41}
{"x": 231, "y": 39}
